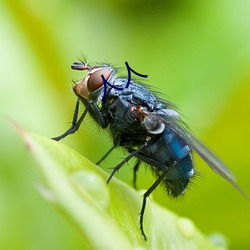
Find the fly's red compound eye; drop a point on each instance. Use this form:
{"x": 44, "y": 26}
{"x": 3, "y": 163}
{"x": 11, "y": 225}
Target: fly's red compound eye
{"x": 95, "y": 80}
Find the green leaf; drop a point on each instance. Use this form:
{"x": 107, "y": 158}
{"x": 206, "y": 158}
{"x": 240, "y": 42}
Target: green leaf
{"x": 106, "y": 215}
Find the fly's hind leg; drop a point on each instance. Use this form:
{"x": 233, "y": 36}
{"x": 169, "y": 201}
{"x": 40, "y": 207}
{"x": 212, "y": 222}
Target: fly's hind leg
{"x": 145, "y": 196}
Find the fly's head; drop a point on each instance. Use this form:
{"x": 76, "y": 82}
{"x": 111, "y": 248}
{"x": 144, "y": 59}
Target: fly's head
{"x": 91, "y": 86}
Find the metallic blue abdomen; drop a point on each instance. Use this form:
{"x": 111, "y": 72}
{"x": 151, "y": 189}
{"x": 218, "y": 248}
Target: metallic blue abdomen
{"x": 170, "y": 154}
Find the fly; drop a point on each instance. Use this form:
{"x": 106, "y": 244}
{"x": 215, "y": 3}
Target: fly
{"x": 149, "y": 128}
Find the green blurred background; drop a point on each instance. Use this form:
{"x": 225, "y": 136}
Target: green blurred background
{"x": 195, "y": 52}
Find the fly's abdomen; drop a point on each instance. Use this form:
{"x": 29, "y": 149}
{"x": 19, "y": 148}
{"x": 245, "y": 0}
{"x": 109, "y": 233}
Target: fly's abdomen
{"x": 170, "y": 155}
{"x": 180, "y": 165}
{"x": 178, "y": 176}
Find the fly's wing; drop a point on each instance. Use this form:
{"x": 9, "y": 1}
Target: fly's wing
{"x": 212, "y": 160}
{"x": 175, "y": 124}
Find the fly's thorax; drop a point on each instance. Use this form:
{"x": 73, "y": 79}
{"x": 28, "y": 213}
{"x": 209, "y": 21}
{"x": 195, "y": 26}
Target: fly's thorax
{"x": 154, "y": 122}
{"x": 152, "y": 125}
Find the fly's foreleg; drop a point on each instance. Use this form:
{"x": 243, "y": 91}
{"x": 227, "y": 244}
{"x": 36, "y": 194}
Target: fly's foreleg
{"x": 75, "y": 123}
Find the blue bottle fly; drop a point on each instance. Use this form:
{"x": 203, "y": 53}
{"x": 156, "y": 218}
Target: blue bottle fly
{"x": 148, "y": 127}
